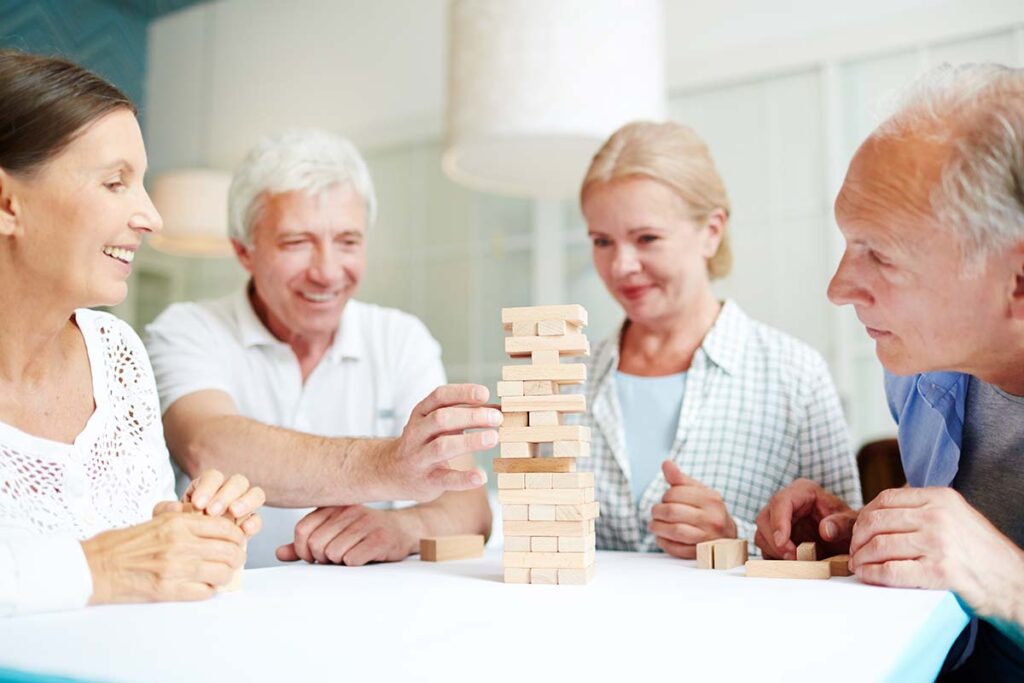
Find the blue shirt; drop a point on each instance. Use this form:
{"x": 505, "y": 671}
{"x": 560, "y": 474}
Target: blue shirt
{"x": 650, "y": 416}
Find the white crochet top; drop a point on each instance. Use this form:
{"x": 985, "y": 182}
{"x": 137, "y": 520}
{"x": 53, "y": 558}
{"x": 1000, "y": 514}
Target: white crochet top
{"x": 53, "y": 495}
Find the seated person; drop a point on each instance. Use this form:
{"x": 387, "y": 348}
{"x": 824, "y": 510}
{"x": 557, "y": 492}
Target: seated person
{"x": 932, "y": 210}
{"x": 280, "y": 377}
{"x": 87, "y": 510}
{"x": 698, "y": 413}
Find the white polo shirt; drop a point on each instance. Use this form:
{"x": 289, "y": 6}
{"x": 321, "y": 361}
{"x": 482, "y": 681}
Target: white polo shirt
{"x": 381, "y": 364}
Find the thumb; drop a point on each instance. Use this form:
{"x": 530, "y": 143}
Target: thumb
{"x": 837, "y": 527}
{"x": 286, "y": 553}
{"x": 674, "y": 476}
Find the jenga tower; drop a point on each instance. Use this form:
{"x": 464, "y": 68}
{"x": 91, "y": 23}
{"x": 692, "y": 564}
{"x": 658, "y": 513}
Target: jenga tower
{"x": 548, "y": 509}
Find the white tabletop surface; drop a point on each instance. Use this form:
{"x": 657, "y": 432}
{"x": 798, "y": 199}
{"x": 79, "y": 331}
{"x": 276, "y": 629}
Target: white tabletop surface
{"x": 644, "y": 617}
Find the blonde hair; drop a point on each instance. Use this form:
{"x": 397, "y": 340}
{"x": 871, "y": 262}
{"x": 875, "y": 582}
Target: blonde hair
{"x": 674, "y": 156}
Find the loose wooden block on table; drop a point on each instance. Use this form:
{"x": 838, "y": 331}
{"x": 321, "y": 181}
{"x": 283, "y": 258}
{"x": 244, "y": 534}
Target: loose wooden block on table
{"x": 570, "y": 449}
{"x": 543, "y": 434}
{"x": 541, "y": 513}
{"x": 441, "y": 548}
{"x": 517, "y": 575}
{"x": 545, "y": 357}
{"x": 573, "y": 528}
{"x": 562, "y": 403}
{"x": 543, "y": 418}
{"x": 544, "y": 576}
{"x": 549, "y": 560}
{"x": 536, "y": 387}
{"x": 544, "y": 544}
{"x": 838, "y": 565}
{"x": 565, "y": 373}
{"x": 518, "y": 513}
{"x": 532, "y": 464}
{"x": 539, "y": 480}
{"x": 566, "y": 345}
{"x": 509, "y": 389}
{"x": 518, "y": 450}
{"x": 548, "y": 496}
{"x": 511, "y": 480}
{"x": 575, "y": 577}
{"x": 787, "y": 569}
{"x": 568, "y": 513}
{"x": 570, "y": 313}
{"x": 706, "y": 555}
{"x": 807, "y": 552}
{"x": 518, "y": 544}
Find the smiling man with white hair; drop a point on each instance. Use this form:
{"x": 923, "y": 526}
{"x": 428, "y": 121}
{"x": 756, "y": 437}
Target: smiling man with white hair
{"x": 932, "y": 210}
{"x": 291, "y": 375}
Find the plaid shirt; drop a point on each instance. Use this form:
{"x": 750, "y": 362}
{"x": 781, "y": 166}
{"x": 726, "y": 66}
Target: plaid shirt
{"x": 759, "y": 411}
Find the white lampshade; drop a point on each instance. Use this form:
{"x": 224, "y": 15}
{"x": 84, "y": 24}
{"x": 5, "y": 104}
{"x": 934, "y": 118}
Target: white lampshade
{"x": 536, "y": 86}
{"x": 194, "y": 206}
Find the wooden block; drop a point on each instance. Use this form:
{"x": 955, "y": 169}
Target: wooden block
{"x": 545, "y": 357}
{"x": 524, "y": 328}
{"x": 568, "y": 513}
{"x": 234, "y": 584}
{"x": 572, "y": 480}
{"x": 442, "y": 548}
{"x": 519, "y": 513}
{"x": 552, "y": 328}
{"x": 549, "y": 560}
{"x": 510, "y": 389}
{"x": 570, "y": 313}
{"x": 539, "y": 480}
{"x": 517, "y": 575}
{"x": 527, "y": 464}
{"x": 514, "y": 420}
{"x": 575, "y": 577}
{"x": 563, "y": 403}
{"x": 518, "y": 450}
{"x": 543, "y": 418}
{"x": 566, "y": 345}
{"x": 543, "y": 434}
{"x": 541, "y": 513}
{"x": 706, "y": 555}
{"x": 576, "y": 544}
{"x": 571, "y": 449}
{"x": 544, "y": 576}
{"x": 566, "y": 373}
{"x": 807, "y": 552}
{"x": 545, "y": 544}
{"x": 787, "y": 569}
{"x": 518, "y": 544}
{"x": 838, "y": 565}
{"x": 539, "y": 388}
{"x": 588, "y": 494}
{"x": 511, "y": 481}
{"x": 514, "y": 528}
{"x": 591, "y": 526}
{"x": 730, "y": 552}
{"x": 546, "y": 496}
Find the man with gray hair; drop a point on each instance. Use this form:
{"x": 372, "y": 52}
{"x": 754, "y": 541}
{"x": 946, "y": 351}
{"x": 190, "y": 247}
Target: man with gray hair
{"x": 279, "y": 378}
{"x": 932, "y": 210}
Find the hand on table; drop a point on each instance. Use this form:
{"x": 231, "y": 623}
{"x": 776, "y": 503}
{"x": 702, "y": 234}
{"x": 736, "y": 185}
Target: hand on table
{"x": 803, "y": 511}
{"x": 689, "y": 513}
{"x": 351, "y": 535}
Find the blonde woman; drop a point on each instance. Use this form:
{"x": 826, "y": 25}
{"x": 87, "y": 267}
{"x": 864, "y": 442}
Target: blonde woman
{"x": 699, "y": 414}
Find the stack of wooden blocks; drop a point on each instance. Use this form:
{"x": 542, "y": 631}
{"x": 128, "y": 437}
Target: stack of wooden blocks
{"x": 548, "y": 508}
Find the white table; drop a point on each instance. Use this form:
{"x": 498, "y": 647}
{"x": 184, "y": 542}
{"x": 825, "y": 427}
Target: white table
{"x": 644, "y": 617}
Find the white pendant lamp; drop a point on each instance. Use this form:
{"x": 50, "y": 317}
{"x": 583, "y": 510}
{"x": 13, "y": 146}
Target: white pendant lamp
{"x": 536, "y": 86}
{"x": 194, "y": 206}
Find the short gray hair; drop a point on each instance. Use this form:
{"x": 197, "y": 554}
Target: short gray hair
{"x": 298, "y": 159}
{"x": 978, "y": 110}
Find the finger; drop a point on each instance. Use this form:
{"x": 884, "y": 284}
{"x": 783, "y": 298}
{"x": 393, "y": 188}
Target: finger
{"x": 675, "y": 513}
{"x": 223, "y": 552}
{"x": 214, "y": 573}
{"x": 907, "y": 497}
{"x": 337, "y": 525}
{"x": 697, "y": 496}
{"x": 447, "y": 479}
{"x": 888, "y": 547}
{"x": 837, "y": 527}
{"x": 452, "y": 395}
{"x": 339, "y": 546}
{"x": 441, "y": 450}
{"x": 896, "y": 573}
{"x": 205, "y": 487}
{"x": 785, "y": 507}
{"x": 683, "y": 551}
{"x": 455, "y": 420}
{"x": 231, "y": 490}
{"x": 675, "y": 476}
{"x": 247, "y": 503}
{"x": 166, "y": 506}
{"x": 373, "y": 548}
{"x": 767, "y": 547}
{"x": 216, "y": 528}
{"x": 307, "y": 526}
{"x": 286, "y": 553}
{"x": 871, "y": 523}
{"x": 188, "y": 591}
{"x": 680, "y": 533}
{"x": 252, "y": 524}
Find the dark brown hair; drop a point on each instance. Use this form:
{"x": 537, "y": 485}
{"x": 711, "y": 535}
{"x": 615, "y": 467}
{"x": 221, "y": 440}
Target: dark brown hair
{"x": 44, "y": 103}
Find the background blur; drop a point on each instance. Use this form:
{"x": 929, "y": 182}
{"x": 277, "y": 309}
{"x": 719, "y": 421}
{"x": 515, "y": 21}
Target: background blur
{"x": 782, "y": 91}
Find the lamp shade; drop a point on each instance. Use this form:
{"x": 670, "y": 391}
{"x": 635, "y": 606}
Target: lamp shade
{"x": 536, "y": 86}
{"x": 194, "y": 206}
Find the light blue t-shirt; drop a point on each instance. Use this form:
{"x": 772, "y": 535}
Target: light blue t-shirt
{"x": 650, "y": 415}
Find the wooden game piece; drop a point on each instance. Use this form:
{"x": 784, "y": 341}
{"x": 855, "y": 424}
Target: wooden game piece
{"x": 729, "y": 553}
{"x": 516, "y": 528}
{"x": 529, "y": 464}
{"x": 458, "y": 547}
{"x": 517, "y": 575}
{"x": 576, "y": 544}
{"x": 838, "y": 565}
{"x": 510, "y": 389}
{"x": 539, "y": 388}
{"x": 570, "y": 313}
{"x": 524, "y": 328}
{"x": 545, "y": 496}
{"x": 566, "y": 345}
{"x": 543, "y": 418}
{"x": 545, "y": 357}
{"x": 544, "y": 576}
{"x": 541, "y": 513}
{"x": 549, "y": 560}
{"x": 518, "y": 450}
{"x": 571, "y": 449}
{"x": 519, "y": 513}
{"x": 568, "y": 513}
{"x": 553, "y": 328}
{"x": 539, "y": 480}
{"x": 519, "y": 544}
{"x": 575, "y": 577}
{"x": 514, "y": 420}
{"x": 566, "y": 373}
{"x": 545, "y": 544}
{"x": 706, "y": 555}
{"x": 543, "y": 434}
{"x": 807, "y": 552}
{"x": 511, "y": 480}
{"x": 562, "y": 403}
{"x": 572, "y": 480}
{"x": 787, "y": 569}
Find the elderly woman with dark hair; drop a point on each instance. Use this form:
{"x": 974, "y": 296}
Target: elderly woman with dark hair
{"x": 86, "y": 490}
